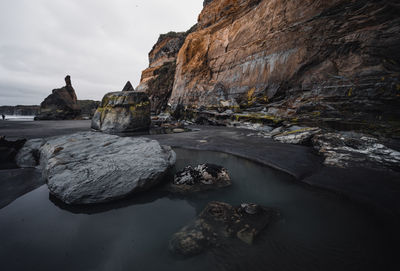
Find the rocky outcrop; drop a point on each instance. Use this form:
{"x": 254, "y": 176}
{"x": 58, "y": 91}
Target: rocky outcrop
{"x": 331, "y": 63}
{"x": 20, "y": 110}
{"x": 122, "y": 112}
{"x": 218, "y": 222}
{"x": 8, "y": 152}
{"x": 200, "y": 178}
{"x": 157, "y": 80}
{"x": 89, "y": 167}
{"x": 62, "y": 104}
{"x": 356, "y": 150}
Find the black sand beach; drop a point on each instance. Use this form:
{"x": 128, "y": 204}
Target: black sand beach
{"x": 374, "y": 188}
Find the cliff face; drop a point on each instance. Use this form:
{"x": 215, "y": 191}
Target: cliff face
{"x": 158, "y": 79}
{"x": 311, "y": 60}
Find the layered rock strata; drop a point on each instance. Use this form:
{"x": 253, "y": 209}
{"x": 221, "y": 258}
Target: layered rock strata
{"x": 122, "y": 112}
{"x": 323, "y": 62}
{"x": 158, "y": 79}
{"x": 62, "y": 104}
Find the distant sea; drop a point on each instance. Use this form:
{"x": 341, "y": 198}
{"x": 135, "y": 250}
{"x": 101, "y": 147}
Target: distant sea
{"x": 18, "y": 118}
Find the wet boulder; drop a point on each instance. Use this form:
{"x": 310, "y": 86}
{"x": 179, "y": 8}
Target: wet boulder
{"x": 90, "y": 167}
{"x": 200, "y": 178}
{"x": 219, "y": 222}
{"x": 122, "y": 112}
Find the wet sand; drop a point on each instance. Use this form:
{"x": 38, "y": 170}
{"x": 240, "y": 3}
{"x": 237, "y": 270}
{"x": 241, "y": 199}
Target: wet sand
{"x": 380, "y": 190}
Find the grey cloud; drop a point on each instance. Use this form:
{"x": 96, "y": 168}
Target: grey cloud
{"x": 100, "y": 43}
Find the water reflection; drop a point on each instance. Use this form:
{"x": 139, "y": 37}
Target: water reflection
{"x": 317, "y": 230}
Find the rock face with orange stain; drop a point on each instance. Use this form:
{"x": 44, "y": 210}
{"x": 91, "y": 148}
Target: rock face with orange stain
{"x": 310, "y": 60}
{"x": 157, "y": 80}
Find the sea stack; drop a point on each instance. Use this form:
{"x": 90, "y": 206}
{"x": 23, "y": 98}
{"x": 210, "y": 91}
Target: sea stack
{"x": 123, "y": 112}
{"x": 62, "y": 104}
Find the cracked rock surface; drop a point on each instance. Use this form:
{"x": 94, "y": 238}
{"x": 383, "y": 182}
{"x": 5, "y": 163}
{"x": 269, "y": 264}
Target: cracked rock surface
{"x": 89, "y": 168}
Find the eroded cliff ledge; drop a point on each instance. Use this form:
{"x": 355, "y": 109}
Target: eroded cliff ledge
{"x": 319, "y": 61}
{"x": 158, "y": 79}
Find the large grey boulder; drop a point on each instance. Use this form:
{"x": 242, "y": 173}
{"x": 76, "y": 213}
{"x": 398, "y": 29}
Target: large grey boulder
{"x": 121, "y": 112}
{"x": 89, "y": 167}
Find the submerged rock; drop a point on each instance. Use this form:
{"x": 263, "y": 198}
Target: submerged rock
{"x": 200, "y": 178}
{"x": 355, "y": 150}
{"x": 124, "y": 111}
{"x": 62, "y": 104}
{"x": 89, "y": 167}
{"x": 218, "y": 222}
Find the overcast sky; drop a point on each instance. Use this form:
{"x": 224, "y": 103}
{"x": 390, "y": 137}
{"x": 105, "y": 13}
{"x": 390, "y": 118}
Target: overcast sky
{"x": 100, "y": 43}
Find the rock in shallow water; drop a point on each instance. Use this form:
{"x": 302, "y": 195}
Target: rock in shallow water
{"x": 200, "y": 178}
{"x": 88, "y": 167}
{"x": 218, "y": 222}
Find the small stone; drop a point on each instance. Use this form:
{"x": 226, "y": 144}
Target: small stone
{"x": 178, "y": 130}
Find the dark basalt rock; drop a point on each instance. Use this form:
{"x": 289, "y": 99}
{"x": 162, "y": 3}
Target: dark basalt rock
{"x": 219, "y": 222}
{"x": 62, "y": 104}
{"x": 200, "y": 178}
{"x": 8, "y": 152}
{"x": 128, "y": 87}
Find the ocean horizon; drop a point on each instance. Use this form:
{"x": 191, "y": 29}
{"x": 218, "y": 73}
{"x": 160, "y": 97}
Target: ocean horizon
{"x": 19, "y": 118}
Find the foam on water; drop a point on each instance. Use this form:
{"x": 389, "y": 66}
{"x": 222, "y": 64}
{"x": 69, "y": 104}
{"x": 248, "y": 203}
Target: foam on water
{"x": 19, "y": 118}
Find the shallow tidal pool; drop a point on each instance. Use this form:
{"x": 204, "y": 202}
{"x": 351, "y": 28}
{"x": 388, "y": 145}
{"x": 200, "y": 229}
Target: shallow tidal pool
{"x": 317, "y": 230}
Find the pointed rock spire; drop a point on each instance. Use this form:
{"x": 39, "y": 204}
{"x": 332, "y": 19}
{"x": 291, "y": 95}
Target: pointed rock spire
{"x": 128, "y": 87}
{"x": 68, "y": 80}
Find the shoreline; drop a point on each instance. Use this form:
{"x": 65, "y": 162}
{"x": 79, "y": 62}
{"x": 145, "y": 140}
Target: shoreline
{"x": 377, "y": 189}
